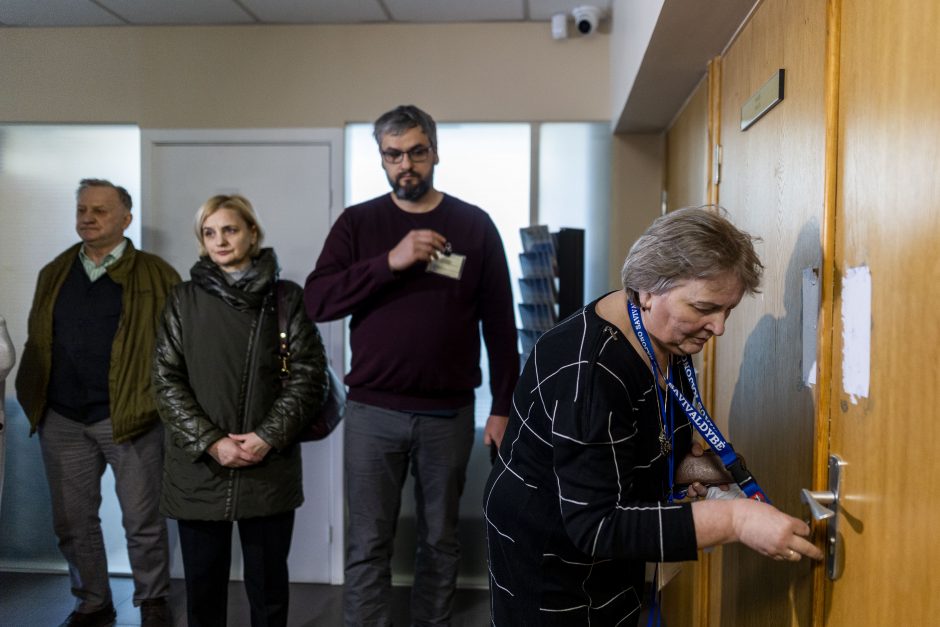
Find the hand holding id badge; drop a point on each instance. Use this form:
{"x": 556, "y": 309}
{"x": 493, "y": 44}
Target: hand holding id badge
{"x": 447, "y": 263}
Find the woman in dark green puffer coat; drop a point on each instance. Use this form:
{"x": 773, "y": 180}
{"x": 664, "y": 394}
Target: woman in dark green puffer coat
{"x": 232, "y": 423}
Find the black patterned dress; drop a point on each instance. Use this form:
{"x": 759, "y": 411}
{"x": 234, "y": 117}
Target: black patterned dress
{"x": 576, "y": 502}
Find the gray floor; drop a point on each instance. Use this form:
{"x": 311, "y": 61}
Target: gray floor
{"x": 44, "y": 600}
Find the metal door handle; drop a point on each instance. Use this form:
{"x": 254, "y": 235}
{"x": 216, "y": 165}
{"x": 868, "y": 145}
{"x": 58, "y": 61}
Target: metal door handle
{"x": 817, "y": 501}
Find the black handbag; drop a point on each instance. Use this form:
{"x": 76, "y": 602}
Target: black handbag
{"x": 331, "y": 413}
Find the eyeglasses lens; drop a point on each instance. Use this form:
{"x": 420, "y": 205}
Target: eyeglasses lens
{"x": 418, "y": 154}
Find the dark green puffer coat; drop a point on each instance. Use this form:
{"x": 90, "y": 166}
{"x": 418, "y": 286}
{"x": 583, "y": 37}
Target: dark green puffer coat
{"x": 216, "y": 371}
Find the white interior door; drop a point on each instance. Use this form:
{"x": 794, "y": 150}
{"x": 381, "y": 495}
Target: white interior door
{"x": 293, "y": 177}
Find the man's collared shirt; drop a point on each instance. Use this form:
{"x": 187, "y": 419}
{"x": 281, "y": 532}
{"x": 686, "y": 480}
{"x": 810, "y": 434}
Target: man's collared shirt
{"x": 95, "y": 272}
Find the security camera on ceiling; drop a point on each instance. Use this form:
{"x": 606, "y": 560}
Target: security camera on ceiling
{"x": 586, "y": 18}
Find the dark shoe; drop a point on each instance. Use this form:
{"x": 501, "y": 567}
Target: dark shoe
{"x": 104, "y": 617}
{"x": 154, "y": 613}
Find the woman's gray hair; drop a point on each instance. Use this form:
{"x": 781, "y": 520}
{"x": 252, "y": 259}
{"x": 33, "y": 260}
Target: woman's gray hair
{"x": 240, "y": 205}
{"x": 687, "y": 244}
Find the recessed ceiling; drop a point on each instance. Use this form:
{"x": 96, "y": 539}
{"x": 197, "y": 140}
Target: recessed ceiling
{"x": 55, "y": 13}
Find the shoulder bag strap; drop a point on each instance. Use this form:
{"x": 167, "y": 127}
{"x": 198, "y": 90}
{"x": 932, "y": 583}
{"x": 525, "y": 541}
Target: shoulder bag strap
{"x": 282, "y": 327}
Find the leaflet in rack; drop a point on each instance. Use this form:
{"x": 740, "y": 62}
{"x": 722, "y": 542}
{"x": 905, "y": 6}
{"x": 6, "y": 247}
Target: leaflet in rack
{"x": 537, "y": 287}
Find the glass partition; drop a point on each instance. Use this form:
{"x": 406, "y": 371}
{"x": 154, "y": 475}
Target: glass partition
{"x": 40, "y": 167}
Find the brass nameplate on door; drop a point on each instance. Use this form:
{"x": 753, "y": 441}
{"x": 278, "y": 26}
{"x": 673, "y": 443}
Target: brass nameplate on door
{"x": 765, "y": 99}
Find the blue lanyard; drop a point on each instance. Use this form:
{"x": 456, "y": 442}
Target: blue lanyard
{"x": 655, "y": 616}
{"x": 697, "y": 414}
{"x": 667, "y": 421}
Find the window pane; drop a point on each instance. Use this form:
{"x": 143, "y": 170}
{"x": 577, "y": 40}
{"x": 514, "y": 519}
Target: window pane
{"x": 40, "y": 167}
{"x": 574, "y": 191}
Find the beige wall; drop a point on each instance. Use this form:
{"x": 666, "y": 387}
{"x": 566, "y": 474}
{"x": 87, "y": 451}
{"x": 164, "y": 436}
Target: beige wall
{"x": 637, "y": 161}
{"x": 290, "y": 76}
{"x": 326, "y": 76}
{"x": 636, "y": 193}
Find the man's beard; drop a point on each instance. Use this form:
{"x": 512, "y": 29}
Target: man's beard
{"x": 411, "y": 193}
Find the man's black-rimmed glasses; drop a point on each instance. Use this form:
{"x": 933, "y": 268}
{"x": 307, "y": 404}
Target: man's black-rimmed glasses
{"x": 418, "y": 154}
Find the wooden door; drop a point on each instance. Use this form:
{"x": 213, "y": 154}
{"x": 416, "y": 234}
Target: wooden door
{"x": 686, "y": 185}
{"x": 687, "y": 151}
{"x": 771, "y": 183}
{"x": 888, "y": 220}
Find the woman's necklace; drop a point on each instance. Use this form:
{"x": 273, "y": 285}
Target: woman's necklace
{"x": 665, "y": 446}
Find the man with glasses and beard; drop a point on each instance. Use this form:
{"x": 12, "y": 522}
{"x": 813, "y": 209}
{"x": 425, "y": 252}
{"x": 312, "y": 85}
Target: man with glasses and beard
{"x": 420, "y": 272}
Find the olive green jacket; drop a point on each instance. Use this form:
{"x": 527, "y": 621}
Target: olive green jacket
{"x": 145, "y": 280}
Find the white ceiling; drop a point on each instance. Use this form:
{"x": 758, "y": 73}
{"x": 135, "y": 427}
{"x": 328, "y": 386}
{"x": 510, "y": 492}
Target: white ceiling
{"x": 51, "y": 13}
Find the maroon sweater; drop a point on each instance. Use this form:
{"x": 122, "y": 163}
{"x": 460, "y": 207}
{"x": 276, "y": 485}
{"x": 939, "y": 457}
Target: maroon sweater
{"x": 415, "y": 335}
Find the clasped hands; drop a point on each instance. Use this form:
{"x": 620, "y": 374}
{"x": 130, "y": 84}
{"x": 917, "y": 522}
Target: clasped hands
{"x": 237, "y": 450}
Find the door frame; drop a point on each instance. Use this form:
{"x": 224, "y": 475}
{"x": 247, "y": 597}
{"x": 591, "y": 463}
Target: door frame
{"x": 826, "y": 320}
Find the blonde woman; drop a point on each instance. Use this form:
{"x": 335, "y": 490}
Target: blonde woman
{"x": 231, "y": 420}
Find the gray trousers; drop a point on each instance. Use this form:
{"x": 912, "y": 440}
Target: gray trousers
{"x": 379, "y": 447}
{"x": 75, "y": 456}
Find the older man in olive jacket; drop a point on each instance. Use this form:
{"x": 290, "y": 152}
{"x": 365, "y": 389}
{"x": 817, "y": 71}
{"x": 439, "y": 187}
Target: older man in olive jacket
{"x": 84, "y": 384}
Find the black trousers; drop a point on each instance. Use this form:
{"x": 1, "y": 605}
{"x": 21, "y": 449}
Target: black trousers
{"x": 207, "y": 555}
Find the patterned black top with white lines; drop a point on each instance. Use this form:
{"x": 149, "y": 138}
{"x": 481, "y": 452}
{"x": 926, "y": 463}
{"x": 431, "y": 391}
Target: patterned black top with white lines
{"x": 576, "y": 502}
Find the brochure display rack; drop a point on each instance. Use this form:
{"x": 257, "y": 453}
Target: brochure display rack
{"x": 552, "y": 283}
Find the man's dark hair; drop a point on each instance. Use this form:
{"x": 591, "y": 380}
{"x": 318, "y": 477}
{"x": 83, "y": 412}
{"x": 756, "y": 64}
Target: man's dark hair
{"x": 402, "y": 118}
{"x": 123, "y": 196}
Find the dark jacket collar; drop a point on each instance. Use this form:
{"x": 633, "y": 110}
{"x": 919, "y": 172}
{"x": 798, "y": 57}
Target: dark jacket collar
{"x": 249, "y": 291}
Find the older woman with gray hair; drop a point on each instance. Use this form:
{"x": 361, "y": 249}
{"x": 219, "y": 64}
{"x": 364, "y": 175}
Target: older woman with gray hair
{"x": 583, "y": 494}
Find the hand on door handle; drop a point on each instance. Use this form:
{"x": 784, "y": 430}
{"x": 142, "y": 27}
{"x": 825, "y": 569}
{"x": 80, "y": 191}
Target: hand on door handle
{"x": 817, "y": 502}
